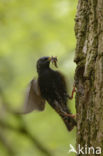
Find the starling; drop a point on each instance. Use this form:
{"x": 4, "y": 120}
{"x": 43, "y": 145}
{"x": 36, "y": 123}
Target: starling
{"x": 51, "y": 87}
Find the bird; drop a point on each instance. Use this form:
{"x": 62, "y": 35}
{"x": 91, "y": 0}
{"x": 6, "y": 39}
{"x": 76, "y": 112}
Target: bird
{"x": 50, "y": 86}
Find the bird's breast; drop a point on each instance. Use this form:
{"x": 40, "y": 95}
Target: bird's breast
{"x": 52, "y": 86}
{"x": 47, "y": 84}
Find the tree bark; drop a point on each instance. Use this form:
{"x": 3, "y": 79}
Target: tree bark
{"x": 89, "y": 74}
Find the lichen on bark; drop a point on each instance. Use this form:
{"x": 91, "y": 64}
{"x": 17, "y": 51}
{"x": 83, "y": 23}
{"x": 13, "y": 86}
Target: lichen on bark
{"x": 89, "y": 73}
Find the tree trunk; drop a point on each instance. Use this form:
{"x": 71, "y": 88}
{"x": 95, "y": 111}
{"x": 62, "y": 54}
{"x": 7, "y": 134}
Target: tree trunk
{"x": 89, "y": 76}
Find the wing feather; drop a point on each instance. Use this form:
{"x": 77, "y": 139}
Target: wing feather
{"x": 33, "y": 101}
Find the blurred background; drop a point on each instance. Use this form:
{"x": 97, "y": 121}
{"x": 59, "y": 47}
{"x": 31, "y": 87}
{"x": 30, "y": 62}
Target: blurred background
{"x": 30, "y": 29}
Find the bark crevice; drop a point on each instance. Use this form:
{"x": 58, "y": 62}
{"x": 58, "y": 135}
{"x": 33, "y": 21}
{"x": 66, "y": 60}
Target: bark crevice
{"x": 89, "y": 72}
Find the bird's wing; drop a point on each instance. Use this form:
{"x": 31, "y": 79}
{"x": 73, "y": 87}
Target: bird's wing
{"x": 33, "y": 100}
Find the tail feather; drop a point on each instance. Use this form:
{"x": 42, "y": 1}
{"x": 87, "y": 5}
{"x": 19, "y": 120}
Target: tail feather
{"x": 70, "y": 122}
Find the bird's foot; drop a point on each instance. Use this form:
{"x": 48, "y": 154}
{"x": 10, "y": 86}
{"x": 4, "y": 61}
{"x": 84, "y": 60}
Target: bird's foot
{"x": 70, "y": 115}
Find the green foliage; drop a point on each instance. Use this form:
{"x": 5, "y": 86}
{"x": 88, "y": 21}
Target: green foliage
{"x": 29, "y": 30}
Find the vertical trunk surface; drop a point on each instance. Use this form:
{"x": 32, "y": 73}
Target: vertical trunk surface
{"x": 89, "y": 75}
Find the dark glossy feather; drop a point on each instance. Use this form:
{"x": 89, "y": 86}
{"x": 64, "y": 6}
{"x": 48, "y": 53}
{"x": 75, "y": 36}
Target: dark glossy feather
{"x": 53, "y": 88}
{"x": 50, "y": 86}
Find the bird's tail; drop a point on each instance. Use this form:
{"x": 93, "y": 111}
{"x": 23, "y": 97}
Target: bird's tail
{"x": 65, "y": 114}
{"x": 69, "y": 121}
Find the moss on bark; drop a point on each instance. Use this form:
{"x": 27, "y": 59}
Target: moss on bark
{"x": 89, "y": 73}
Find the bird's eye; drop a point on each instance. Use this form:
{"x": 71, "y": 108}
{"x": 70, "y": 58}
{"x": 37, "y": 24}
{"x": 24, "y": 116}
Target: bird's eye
{"x": 45, "y": 59}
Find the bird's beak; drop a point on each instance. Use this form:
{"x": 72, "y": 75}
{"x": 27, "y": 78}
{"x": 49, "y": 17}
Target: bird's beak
{"x": 53, "y": 60}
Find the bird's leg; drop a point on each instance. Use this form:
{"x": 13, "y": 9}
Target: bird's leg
{"x": 62, "y": 112}
{"x": 71, "y": 97}
{"x": 71, "y": 115}
{"x": 73, "y": 91}
{"x": 66, "y": 114}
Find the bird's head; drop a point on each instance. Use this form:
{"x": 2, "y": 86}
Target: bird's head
{"x": 44, "y": 62}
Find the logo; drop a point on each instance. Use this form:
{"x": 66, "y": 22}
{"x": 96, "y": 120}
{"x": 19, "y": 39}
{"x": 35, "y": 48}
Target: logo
{"x": 84, "y": 150}
{"x": 72, "y": 149}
